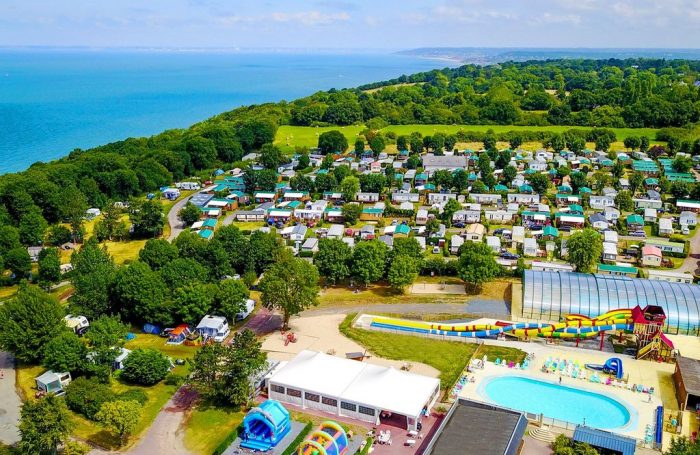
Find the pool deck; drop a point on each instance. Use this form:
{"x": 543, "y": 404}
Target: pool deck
{"x": 649, "y": 374}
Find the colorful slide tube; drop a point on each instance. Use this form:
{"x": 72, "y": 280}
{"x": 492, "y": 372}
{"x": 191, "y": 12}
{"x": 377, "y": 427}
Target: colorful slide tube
{"x": 329, "y": 439}
{"x": 574, "y": 326}
{"x": 612, "y": 366}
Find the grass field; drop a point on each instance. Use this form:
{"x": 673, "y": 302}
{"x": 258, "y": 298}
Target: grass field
{"x": 289, "y": 137}
{"x": 448, "y": 357}
{"x": 207, "y": 427}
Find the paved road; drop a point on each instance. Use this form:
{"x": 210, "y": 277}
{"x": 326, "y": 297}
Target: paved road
{"x": 10, "y": 402}
{"x": 166, "y": 435}
{"x": 175, "y": 224}
{"x": 691, "y": 263}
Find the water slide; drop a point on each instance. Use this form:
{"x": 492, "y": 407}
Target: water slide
{"x": 574, "y": 326}
{"x": 612, "y": 366}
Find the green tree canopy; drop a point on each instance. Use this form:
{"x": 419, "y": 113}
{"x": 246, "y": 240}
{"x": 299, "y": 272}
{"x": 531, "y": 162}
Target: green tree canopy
{"x": 65, "y": 352}
{"x": 29, "y": 322}
{"x": 403, "y": 271}
{"x": 369, "y": 261}
{"x": 290, "y": 285}
{"x": 332, "y": 142}
{"x": 585, "y": 247}
{"x": 120, "y": 417}
{"x": 145, "y": 367}
{"x": 44, "y": 425}
{"x": 477, "y": 264}
{"x": 333, "y": 259}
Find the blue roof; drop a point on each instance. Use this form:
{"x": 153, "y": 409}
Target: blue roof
{"x": 605, "y": 440}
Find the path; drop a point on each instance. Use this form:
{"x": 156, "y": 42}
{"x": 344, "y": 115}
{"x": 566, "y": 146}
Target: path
{"x": 691, "y": 263}
{"x": 166, "y": 434}
{"x": 477, "y": 307}
{"x": 229, "y": 219}
{"x": 175, "y": 224}
{"x": 10, "y": 402}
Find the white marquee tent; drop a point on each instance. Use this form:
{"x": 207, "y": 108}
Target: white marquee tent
{"x": 353, "y": 389}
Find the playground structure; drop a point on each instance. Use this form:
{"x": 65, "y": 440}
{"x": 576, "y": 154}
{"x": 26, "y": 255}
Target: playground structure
{"x": 652, "y": 344}
{"x": 329, "y": 439}
{"x": 612, "y": 367}
{"x": 265, "y": 426}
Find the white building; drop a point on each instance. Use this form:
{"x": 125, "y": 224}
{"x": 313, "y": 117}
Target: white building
{"x": 551, "y": 266}
{"x": 671, "y": 277}
{"x": 357, "y": 390}
{"x": 214, "y": 327}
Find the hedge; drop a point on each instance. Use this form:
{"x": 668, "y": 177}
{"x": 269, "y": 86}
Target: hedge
{"x": 292, "y": 448}
{"x": 221, "y": 448}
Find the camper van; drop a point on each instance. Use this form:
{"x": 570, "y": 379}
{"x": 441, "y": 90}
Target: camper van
{"x": 249, "y": 306}
{"x": 79, "y": 324}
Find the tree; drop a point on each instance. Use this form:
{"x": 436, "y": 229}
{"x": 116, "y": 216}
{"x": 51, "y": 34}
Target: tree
{"x": 141, "y": 294}
{"x": 145, "y": 367}
{"x": 49, "y": 266}
{"x": 632, "y": 142}
{"x": 147, "y": 219}
{"x": 157, "y": 253}
{"x": 32, "y": 227}
{"x": 44, "y": 425}
{"x": 333, "y": 259}
{"x": 106, "y": 332}
{"x": 202, "y": 152}
{"x": 489, "y": 140}
{"x": 407, "y": 246}
{"x": 603, "y": 143}
{"x": 351, "y": 213}
{"x": 477, "y": 264}
{"x": 683, "y": 446}
{"x": 557, "y": 142}
{"x": 332, "y": 142}
{"x": 377, "y": 144}
{"x": 635, "y": 181}
{"x": 263, "y": 249}
{"x": 325, "y": 182}
{"x": 618, "y": 170}
{"x": 372, "y": 183}
{"x": 120, "y": 417}
{"x": 86, "y": 396}
{"x": 221, "y": 373}
{"x": 193, "y": 301}
{"x": 271, "y": 157}
{"x": 65, "y": 352}
{"x": 230, "y": 298}
{"x": 578, "y": 180}
{"x": 111, "y": 227}
{"x": 29, "y": 322}
{"x": 643, "y": 144}
{"x": 57, "y": 235}
{"x": 302, "y": 183}
{"x": 72, "y": 207}
{"x": 303, "y": 161}
{"x": 576, "y": 143}
{"x": 515, "y": 141}
{"x": 680, "y": 189}
{"x": 539, "y": 183}
{"x": 585, "y": 248}
{"x": 349, "y": 187}
{"x": 509, "y": 173}
{"x": 443, "y": 179}
{"x": 403, "y": 271}
{"x": 624, "y": 201}
{"x": 290, "y": 285}
{"x": 92, "y": 277}
{"x": 19, "y": 262}
{"x": 189, "y": 214}
{"x": 369, "y": 261}
{"x": 460, "y": 180}
{"x": 183, "y": 271}
{"x": 450, "y": 208}
{"x": 359, "y": 146}
{"x": 682, "y": 164}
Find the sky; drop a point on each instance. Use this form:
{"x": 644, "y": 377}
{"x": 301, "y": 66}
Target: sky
{"x": 351, "y": 24}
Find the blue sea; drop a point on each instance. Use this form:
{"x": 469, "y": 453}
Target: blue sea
{"x": 53, "y": 101}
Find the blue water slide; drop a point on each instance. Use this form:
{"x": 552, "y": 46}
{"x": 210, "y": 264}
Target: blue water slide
{"x": 614, "y": 365}
{"x": 659, "y": 425}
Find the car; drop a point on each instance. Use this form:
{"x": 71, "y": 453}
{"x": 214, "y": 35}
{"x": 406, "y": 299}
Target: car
{"x": 458, "y": 225}
{"x": 565, "y": 228}
{"x": 638, "y": 234}
{"x": 499, "y": 231}
{"x": 508, "y": 255}
{"x": 166, "y": 332}
{"x": 436, "y": 250}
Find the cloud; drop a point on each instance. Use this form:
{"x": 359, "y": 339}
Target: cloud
{"x": 311, "y": 17}
{"x": 549, "y": 18}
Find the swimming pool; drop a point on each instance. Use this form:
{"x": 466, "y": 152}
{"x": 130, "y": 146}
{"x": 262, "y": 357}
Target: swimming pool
{"x": 555, "y": 401}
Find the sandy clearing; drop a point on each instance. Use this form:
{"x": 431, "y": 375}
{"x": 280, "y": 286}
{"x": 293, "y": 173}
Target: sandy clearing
{"x": 431, "y": 288}
{"x": 320, "y": 333}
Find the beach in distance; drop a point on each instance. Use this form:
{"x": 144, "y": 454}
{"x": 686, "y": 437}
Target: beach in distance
{"x": 53, "y": 101}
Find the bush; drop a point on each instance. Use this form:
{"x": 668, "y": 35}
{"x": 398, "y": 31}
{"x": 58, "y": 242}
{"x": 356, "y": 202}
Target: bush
{"x": 175, "y": 379}
{"x": 136, "y": 395}
{"x": 145, "y": 367}
{"x": 86, "y": 396}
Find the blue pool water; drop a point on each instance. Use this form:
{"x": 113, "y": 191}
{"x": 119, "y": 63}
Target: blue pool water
{"x": 555, "y": 401}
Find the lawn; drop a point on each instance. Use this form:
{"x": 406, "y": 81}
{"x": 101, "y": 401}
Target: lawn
{"x": 176, "y": 351}
{"x": 7, "y": 292}
{"x": 494, "y": 352}
{"x": 207, "y": 427}
{"x": 125, "y": 251}
{"x": 380, "y": 293}
{"x": 288, "y": 137}
{"x": 307, "y": 136}
{"x": 448, "y": 357}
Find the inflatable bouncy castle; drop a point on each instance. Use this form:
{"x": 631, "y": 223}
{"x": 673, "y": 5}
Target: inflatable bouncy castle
{"x": 329, "y": 439}
{"x": 265, "y": 426}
